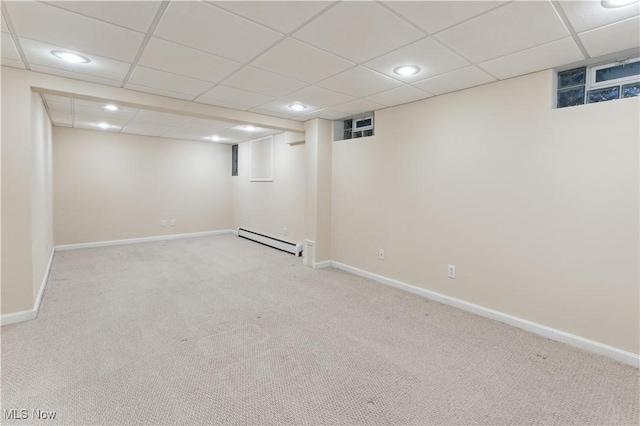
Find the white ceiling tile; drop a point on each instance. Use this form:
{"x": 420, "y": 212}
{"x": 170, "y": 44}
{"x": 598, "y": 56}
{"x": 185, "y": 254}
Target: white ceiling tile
{"x": 60, "y": 118}
{"x": 327, "y": 114}
{"x": 283, "y": 16}
{"x": 136, "y": 15}
{"x": 5, "y": 28}
{"x": 359, "y": 82}
{"x": 285, "y": 59}
{"x": 430, "y": 55}
{"x": 8, "y": 49}
{"x": 587, "y": 15}
{"x": 155, "y": 117}
{"x": 160, "y": 92}
{"x": 223, "y": 104}
{"x": 235, "y": 96}
{"x": 358, "y": 106}
{"x": 314, "y": 95}
{"x": 38, "y": 21}
{"x": 237, "y": 134}
{"x": 264, "y": 82}
{"x": 539, "y": 58}
{"x": 167, "y": 56}
{"x": 516, "y": 26}
{"x": 58, "y": 103}
{"x": 88, "y": 121}
{"x": 270, "y": 113}
{"x": 38, "y": 53}
{"x": 281, "y": 106}
{"x": 146, "y": 129}
{"x": 433, "y": 16}
{"x": 455, "y": 80}
{"x": 75, "y": 75}
{"x": 96, "y": 109}
{"x": 211, "y": 29}
{"x": 399, "y": 95}
{"x": 160, "y": 80}
{"x": 358, "y": 31}
{"x": 612, "y": 38}
{"x": 91, "y": 125}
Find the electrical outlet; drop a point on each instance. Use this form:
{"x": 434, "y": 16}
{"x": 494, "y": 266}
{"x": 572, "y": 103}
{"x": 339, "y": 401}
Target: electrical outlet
{"x": 173, "y": 222}
{"x": 285, "y": 232}
{"x": 451, "y": 272}
{"x": 381, "y": 254}
{"x": 163, "y": 222}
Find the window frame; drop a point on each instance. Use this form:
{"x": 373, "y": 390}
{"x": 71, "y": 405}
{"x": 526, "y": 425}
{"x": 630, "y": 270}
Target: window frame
{"x": 591, "y": 75}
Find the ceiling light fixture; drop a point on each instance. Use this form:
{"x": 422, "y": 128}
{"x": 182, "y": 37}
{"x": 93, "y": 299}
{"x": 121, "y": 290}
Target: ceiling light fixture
{"x": 612, "y": 4}
{"x": 70, "y": 57}
{"x": 103, "y": 125}
{"x": 297, "y": 107}
{"x": 111, "y": 107}
{"x": 249, "y": 128}
{"x": 215, "y": 138}
{"x": 406, "y": 70}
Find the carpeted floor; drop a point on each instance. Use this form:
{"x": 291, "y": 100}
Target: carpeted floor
{"x": 226, "y": 331}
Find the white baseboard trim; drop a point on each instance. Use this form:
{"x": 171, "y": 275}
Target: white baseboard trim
{"x": 619, "y": 355}
{"x": 320, "y": 265}
{"x": 33, "y": 312}
{"x": 142, "y": 239}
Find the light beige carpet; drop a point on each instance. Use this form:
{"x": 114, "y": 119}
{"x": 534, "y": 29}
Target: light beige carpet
{"x": 223, "y": 330}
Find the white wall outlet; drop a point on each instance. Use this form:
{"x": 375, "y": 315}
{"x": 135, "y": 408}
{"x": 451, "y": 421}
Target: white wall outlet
{"x": 285, "y": 232}
{"x": 381, "y": 254}
{"x": 451, "y": 271}
{"x": 173, "y": 222}
{"x": 163, "y": 222}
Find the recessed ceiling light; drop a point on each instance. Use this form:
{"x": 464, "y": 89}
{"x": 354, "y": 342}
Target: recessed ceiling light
{"x": 103, "y": 125}
{"x": 612, "y": 4}
{"x": 111, "y": 107}
{"x": 297, "y": 107}
{"x": 249, "y": 128}
{"x": 407, "y": 70}
{"x": 215, "y": 138}
{"x": 70, "y": 57}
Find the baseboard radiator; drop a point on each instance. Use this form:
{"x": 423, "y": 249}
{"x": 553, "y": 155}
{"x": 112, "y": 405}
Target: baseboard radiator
{"x": 288, "y": 246}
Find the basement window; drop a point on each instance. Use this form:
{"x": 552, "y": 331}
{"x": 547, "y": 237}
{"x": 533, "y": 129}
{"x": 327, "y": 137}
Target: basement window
{"x": 357, "y": 126}
{"x": 598, "y": 83}
{"x": 234, "y": 160}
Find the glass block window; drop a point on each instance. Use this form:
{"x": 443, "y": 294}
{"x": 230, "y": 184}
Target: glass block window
{"x": 630, "y": 90}
{"x": 602, "y": 95}
{"x": 576, "y": 77}
{"x": 598, "y": 83}
{"x": 571, "y": 97}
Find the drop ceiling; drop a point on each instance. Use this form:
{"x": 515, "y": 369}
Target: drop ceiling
{"x": 337, "y": 58}
{"x": 92, "y": 115}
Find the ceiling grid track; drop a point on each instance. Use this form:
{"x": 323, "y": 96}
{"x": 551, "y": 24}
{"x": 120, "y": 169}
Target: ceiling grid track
{"x": 563, "y": 17}
{"x": 145, "y": 41}
{"x": 14, "y": 35}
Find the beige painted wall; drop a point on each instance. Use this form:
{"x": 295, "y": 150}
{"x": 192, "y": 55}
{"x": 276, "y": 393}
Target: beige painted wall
{"x": 17, "y": 263}
{"x": 17, "y": 257}
{"x": 536, "y": 207}
{"x": 270, "y": 207}
{"x": 42, "y": 187}
{"x": 111, "y": 186}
